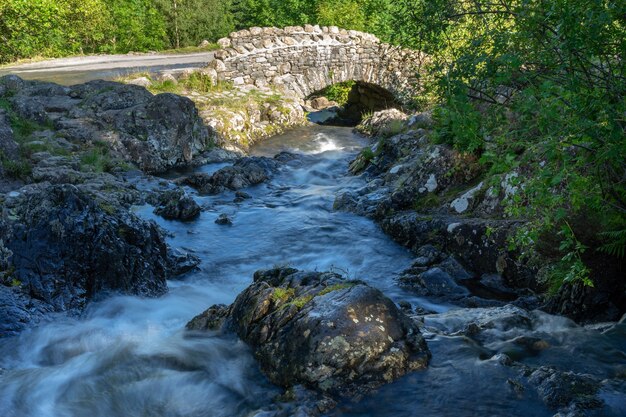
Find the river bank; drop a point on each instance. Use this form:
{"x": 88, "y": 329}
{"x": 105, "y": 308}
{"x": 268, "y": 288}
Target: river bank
{"x": 129, "y": 354}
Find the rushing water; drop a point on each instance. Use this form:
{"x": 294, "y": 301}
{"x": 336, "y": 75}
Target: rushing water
{"x": 128, "y": 356}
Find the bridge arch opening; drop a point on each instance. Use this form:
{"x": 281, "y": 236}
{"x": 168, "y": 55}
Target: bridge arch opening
{"x": 346, "y": 103}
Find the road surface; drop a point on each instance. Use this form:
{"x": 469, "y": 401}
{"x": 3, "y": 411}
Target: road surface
{"x": 75, "y": 70}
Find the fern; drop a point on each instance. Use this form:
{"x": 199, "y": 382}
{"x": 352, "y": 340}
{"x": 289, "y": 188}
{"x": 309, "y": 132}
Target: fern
{"x": 616, "y": 245}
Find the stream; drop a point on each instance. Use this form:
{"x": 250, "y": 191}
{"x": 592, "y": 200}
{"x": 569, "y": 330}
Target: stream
{"x": 129, "y": 356}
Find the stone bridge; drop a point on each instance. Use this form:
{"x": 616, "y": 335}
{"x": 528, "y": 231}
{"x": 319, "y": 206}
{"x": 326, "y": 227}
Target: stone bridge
{"x": 303, "y": 60}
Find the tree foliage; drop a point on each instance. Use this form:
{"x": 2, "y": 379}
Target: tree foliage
{"x": 136, "y": 25}
{"x": 190, "y": 21}
{"x": 48, "y": 27}
{"x": 536, "y": 87}
{"x": 52, "y": 28}
{"x": 374, "y": 16}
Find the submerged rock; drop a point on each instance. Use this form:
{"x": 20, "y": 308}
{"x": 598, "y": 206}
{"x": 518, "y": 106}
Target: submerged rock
{"x": 224, "y": 220}
{"x": 474, "y": 321}
{"x": 317, "y": 329}
{"x": 176, "y": 205}
{"x": 566, "y": 390}
{"x": 243, "y": 173}
{"x": 180, "y": 262}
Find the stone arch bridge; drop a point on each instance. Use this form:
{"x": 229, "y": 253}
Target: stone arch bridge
{"x": 303, "y": 60}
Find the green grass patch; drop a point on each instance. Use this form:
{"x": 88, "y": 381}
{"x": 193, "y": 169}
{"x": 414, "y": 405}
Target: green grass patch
{"x": 17, "y": 169}
{"x": 106, "y": 207}
{"x": 301, "y": 301}
{"x": 338, "y": 92}
{"x": 428, "y": 201}
{"x": 336, "y": 287}
{"x": 96, "y": 160}
{"x": 30, "y": 148}
{"x": 282, "y": 294}
{"x": 5, "y": 104}
{"x": 393, "y": 128}
{"x": 203, "y": 83}
{"x": 166, "y": 86}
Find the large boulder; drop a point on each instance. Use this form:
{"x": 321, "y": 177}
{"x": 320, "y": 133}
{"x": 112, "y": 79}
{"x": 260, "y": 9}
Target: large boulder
{"x": 64, "y": 247}
{"x": 156, "y": 132}
{"x": 335, "y": 336}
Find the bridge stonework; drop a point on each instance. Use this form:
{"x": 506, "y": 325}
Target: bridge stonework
{"x": 303, "y": 60}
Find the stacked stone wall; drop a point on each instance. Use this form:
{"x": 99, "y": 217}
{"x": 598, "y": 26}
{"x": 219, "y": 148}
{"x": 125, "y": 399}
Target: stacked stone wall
{"x": 303, "y": 60}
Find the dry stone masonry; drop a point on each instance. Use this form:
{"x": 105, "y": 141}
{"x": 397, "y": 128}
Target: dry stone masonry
{"x": 303, "y": 60}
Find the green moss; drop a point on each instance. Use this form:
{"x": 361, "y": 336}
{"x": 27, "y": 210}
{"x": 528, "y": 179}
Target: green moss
{"x": 428, "y": 201}
{"x": 393, "y": 128}
{"x": 336, "y": 287}
{"x": 18, "y": 169}
{"x": 106, "y": 207}
{"x": 4, "y": 104}
{"x": 166, "y": 86}
{"x": 27, "y": 149}
{"x": 301, "y": 301}
{"x": 282, "y": 294}
{"x": 96, "y": 160}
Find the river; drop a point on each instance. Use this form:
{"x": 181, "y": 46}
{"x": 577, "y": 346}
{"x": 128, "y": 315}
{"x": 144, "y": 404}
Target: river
{"x": 129, "y": 356}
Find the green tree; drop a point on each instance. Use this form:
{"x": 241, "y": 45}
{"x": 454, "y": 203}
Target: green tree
{"x": 191, "y": 21}
{"x": 279, "y": 13}
{"x": 48, "y": 27}
{"x": 343, "y": 13}
{"x": 137, "y": 26}
{"x": 539, "y": 85}
{"x": 373, "y": 16}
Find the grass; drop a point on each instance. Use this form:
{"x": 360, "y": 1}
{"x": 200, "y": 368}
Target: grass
{"x": 4, "y": 104}
{"x": 23, "y": 61}
{"x": 282, "y": 294}
{"x": 393, "y": 128}
{"x": 196, "y": 82}
{"x": 30, "y": 148}
{"x": 336, "y": 287}
{"x": 367, "y": 154}
{"x": 106, "y": 207}
{"x": 428, "y": 201}
{"x": 18, "y": 169}
{"x": 23, "y": 129}
{"x": 96, "y": 160}
{"x": 301, "y": 301}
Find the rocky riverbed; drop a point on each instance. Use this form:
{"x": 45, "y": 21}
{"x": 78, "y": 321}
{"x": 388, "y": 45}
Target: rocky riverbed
{"x": 145, "y": 271}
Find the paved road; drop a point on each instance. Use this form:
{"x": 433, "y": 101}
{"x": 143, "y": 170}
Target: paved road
{"x": 77, "y": 70}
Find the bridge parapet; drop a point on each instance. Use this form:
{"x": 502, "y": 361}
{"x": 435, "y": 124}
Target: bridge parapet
{"x": 303, "y": 60}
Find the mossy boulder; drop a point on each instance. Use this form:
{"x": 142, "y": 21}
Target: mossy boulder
{"x": 320, "y": 330}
